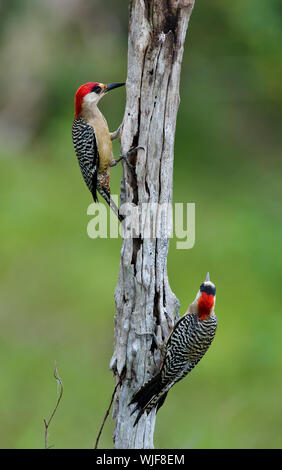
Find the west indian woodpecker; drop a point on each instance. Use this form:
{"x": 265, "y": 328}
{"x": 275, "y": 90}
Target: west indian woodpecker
{"x": 92, "y": 140}
{"x": 186, "y": 345}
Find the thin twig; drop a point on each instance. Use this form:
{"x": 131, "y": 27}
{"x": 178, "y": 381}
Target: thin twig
{"x": 47, "y": 423}
{"x": 106, "y": 415}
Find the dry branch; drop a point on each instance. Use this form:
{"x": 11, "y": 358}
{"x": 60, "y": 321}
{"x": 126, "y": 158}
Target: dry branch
{"x": 47, "y": 423}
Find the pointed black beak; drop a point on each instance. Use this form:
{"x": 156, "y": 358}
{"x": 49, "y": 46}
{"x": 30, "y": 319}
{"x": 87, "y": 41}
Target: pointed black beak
{"x": 111, "y": 86}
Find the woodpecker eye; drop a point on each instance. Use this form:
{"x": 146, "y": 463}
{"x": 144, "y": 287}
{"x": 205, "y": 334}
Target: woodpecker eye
{"x": 97, "y": 89}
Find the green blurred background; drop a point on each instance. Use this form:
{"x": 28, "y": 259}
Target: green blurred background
{"x": 57, "y": 285}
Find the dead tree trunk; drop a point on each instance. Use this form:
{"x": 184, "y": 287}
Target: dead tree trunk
{"x": 145, "y": 303}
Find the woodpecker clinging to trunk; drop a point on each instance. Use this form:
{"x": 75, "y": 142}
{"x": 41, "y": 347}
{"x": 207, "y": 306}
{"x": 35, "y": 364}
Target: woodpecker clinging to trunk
{"x": 93, "y": 141}
{"x": 185, "y": 346}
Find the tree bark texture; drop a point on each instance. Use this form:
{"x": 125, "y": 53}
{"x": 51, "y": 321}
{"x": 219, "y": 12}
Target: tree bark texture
{"x": 145, "y": 303}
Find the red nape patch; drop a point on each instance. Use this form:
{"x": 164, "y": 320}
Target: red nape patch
{"x": 81, "y": 92}
{"x": 205, "y": 304}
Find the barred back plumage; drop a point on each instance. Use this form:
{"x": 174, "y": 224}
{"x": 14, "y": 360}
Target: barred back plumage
{"x": 86, "y": 150}
{"x": 186, "y": 345}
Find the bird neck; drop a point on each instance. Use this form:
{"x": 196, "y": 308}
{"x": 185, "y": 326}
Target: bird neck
{"x": 205, "y": 306}
{"x": 90, "y": 112}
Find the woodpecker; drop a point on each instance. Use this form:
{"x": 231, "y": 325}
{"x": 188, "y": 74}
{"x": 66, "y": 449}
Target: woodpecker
{"x": 186, "y": 345}
{"x": 92, "y": 140}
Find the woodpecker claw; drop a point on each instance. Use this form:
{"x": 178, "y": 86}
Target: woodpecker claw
{"x": 134, "y": 149}
{"x": 125, "y": 158}
{"x": 130, "y": 151}
{"x": 126, "y": 155}
{"x": 114, "y": 135}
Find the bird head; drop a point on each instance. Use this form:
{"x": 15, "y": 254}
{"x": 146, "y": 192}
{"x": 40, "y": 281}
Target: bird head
{"x": 90, "y": 94}
{"x": 204, "y": 302}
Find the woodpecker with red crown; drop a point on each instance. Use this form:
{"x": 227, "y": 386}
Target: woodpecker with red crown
{"x": 186, "y": 345}
{"x": 93, "y": 141}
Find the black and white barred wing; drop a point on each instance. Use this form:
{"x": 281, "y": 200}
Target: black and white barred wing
{"x": 176, "y": 362}
{"x": 86, "y": 149}
{"x": 187, "y": 344}
{"x": 175, "y": 366}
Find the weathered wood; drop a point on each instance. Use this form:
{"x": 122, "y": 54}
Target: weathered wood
{"x": 145, "y": 303}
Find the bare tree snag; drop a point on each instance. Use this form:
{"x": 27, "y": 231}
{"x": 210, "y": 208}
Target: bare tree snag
{"x": 145, "y": 303}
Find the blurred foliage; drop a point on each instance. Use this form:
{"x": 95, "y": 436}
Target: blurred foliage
{"x": 57, "y": 285}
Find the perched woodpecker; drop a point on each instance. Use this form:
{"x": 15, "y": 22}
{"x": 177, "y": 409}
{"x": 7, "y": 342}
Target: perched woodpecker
{"x": 92, "y": 140}
{"x": 186, "y": 345}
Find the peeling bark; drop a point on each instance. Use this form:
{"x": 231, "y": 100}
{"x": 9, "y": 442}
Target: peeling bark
{"x": 145, "y": 303}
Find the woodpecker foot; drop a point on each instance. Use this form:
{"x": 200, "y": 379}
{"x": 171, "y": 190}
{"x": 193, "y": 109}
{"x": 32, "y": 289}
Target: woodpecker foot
{"x": 130, "y": 152}
{"x": 114, "y": 135}
{"x": 126, "y": 155}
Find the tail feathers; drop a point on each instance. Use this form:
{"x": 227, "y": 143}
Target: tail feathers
{"x": 161, "y": 400}
{"x": 148, "y": 397}
{"x": 94, "y": 187}
{"x": 95, "y": 197}
{"x": 111, "y": 203}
